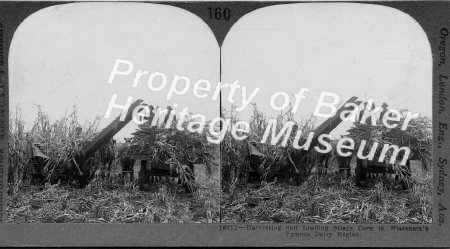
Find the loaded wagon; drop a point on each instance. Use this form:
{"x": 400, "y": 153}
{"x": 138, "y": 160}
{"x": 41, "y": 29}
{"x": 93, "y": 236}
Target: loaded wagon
{"x": 366, "y": 168}
{"x": 163, "y": 154}
{"x": 150, "y": 166}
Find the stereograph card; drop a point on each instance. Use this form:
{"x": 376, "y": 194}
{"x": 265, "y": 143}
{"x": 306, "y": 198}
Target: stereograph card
{"x": 251, "y": 123}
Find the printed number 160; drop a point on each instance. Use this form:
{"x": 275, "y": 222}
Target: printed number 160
{"x": 218, "y": 13}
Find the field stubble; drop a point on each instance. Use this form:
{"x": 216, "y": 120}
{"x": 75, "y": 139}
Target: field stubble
{"x": 106, "y": 202}
{"x": 330, "y": 199}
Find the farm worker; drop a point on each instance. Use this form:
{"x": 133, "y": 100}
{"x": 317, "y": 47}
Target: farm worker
{"x": 385, "y": 109}
{"x": 169, "y": 109}
{"x": 361, "y": 113}
{"x": 78, "y": 137}
{"x": 152, "y": 114}
{"x": 78, "y": 131}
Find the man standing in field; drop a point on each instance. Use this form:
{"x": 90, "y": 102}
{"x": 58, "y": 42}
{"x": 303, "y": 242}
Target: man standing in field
{"x": 166, "y": 118}
{"x": 361, "y": 113}
{"x": 75, "y": 144}
{"x": 78, "y": 135}
{"x": 383, "y": 112}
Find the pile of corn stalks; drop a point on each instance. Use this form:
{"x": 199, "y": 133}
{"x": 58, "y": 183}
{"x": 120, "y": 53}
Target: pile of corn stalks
{"x": 417, "y": 136}
{"x": 172, "y": 147}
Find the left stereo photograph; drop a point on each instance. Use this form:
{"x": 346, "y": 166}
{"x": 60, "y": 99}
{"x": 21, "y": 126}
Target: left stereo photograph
{"x": 109, "y": 118}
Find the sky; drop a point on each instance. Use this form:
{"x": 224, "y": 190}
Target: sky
{"x": 63, "y": 56}
{"x": 359, "y": 50}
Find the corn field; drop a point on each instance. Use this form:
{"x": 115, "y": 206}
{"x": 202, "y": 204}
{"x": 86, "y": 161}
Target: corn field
{"x": 57, "y": 139}
{"x": 231, "y": 195}
{"x": 104, "y": 199}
